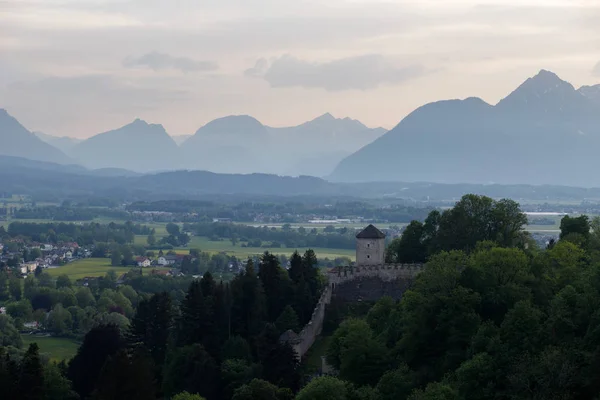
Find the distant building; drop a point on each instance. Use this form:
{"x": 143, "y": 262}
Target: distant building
{"x": 370, "y": 247}
{"x": 143, "y": 261}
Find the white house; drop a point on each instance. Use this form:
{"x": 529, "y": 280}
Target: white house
{"x": 162, "y": 261}
{"x": 143, "y": 262}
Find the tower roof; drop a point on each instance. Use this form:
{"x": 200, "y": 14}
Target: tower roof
{"x": 370, "y": 232}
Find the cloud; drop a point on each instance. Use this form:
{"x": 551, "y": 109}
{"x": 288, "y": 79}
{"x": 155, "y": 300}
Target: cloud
{"x": 359, "y": 73}
{"x": 596, "y": 70}
{"x": 160, "y": 61}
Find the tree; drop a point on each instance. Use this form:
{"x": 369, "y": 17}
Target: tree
{"x": 20, "y": 310}
{"x": 271, "y": 275}
{"x": 499, "y": 275}
{"x": 476, "y": 218}
{"x": 116, "y": 258}
{"x": 191, "y": 369}
{"x": 187, "y": 396}
{"x": 435, "y": 391}
{"x": 279, "y": 360}
{"x": 396, "y": 384}
{"x": 84, "y": 297}
{"x": 56, "y": 386}
{"x": 63, "y": 281}
{"x": 258, "y": 389}
{"x": 197, "y": 320}
{"x": 151, "y": 326}
{"x": 410, "y": 247}
{"x": 172, "y": 229}
{"x": 46, "y": 280}
{"x": 324, "y": 388}
{"x": 236, "y": 373}
{"x": 151, "y": 240}
{"x": 236, "y": 348}
{"x": 14, "y": 287}
{"x": 4, "y": 293}
{"x": 248, "y": 309}
{"x": 60, "y": 321}
{"x": 9, "y": 335}
{"x": 575, "y": 225}
{"x": 126, "y": 377}
{"x": 98, "y": 344}
{"x": 287, "y": 320}
{"x": 31, "y": 380}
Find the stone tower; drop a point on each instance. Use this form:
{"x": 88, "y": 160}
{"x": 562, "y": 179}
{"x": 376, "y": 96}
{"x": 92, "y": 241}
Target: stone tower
{"x": 370, "y": 247}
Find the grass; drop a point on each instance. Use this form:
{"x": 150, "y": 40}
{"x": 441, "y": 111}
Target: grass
{"x": 90, "y": 267}
{"x": 57, "y": 349}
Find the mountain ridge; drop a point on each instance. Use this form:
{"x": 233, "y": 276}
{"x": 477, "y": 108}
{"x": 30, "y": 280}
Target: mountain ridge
{"x": 16, "y": 140}
{"x": 543, "y": 132}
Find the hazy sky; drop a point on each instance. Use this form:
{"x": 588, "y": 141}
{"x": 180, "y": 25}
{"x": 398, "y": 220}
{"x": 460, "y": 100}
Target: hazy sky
{"x": 79, "y": 67}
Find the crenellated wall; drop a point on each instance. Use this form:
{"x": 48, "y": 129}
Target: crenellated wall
{"x": 393, "y": 278}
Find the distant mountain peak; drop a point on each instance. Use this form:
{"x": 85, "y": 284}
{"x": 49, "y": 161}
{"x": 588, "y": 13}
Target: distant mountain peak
{"x": 546, "y": 90}
{"x": 547, "y": 79}
{"x": 139, "y": 122}
{"x": 325, "y": 117}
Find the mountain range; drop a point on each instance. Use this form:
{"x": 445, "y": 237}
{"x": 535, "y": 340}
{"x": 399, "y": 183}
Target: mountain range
{"x": 544, "y": 132}
{"x": 233, "y": 144}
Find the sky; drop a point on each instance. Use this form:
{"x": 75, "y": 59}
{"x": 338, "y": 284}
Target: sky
{"x": 81, "y": 67}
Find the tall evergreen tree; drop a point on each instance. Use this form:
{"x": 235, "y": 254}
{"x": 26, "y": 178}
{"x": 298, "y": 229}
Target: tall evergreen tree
{"x": 279, "y": 360}
{"x": 151, "y": 326}
{"x": 197, "y": 320}
{"x": 9, "y": 376}
{"x": 31, "y": 379}
{"x": 127, "y": 377}
{"x": 248, "y": 309}
{"x": 99, "y": 343}
{"x": 191, "y": 369}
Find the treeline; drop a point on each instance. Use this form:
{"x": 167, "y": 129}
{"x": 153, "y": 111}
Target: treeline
{"x": 282, "y": 211}
{"x": 69, "y": 213}
{"x": 221, "y": 341}
{"x": 83, "y": 234}
{"x": 342, "y": 238}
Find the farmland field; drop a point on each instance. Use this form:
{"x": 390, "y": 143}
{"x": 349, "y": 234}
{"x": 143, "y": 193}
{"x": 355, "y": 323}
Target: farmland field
{"x": 89, "y": 267}
{"x": 204, "y": 244}
{"x": 57, "y": 349}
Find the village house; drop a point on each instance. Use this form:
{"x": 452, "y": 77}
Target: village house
{"x": 162, "y": 261}
{"x": 143, "y": 262}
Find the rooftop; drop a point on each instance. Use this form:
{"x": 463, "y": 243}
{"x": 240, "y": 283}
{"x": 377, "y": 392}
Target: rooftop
{"x": 370, "y": 232}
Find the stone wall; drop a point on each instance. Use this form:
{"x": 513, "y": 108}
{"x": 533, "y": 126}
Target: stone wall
{"x": 374, "y": 281}
{"x": 309, "y": 333}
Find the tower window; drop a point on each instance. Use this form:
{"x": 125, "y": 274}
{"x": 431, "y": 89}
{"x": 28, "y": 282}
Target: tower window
{"x": 368, "y": 244}
{"x": 368, "y": 256}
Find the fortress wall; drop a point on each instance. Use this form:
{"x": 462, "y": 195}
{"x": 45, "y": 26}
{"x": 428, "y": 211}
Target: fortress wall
{"x": 373, "y": 282}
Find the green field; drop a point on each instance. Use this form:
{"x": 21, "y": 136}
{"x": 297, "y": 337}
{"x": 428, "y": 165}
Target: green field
{"x": 224, "y": 246}
{"x": 57, "y": 349}
{"x": 90, "y": 267}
